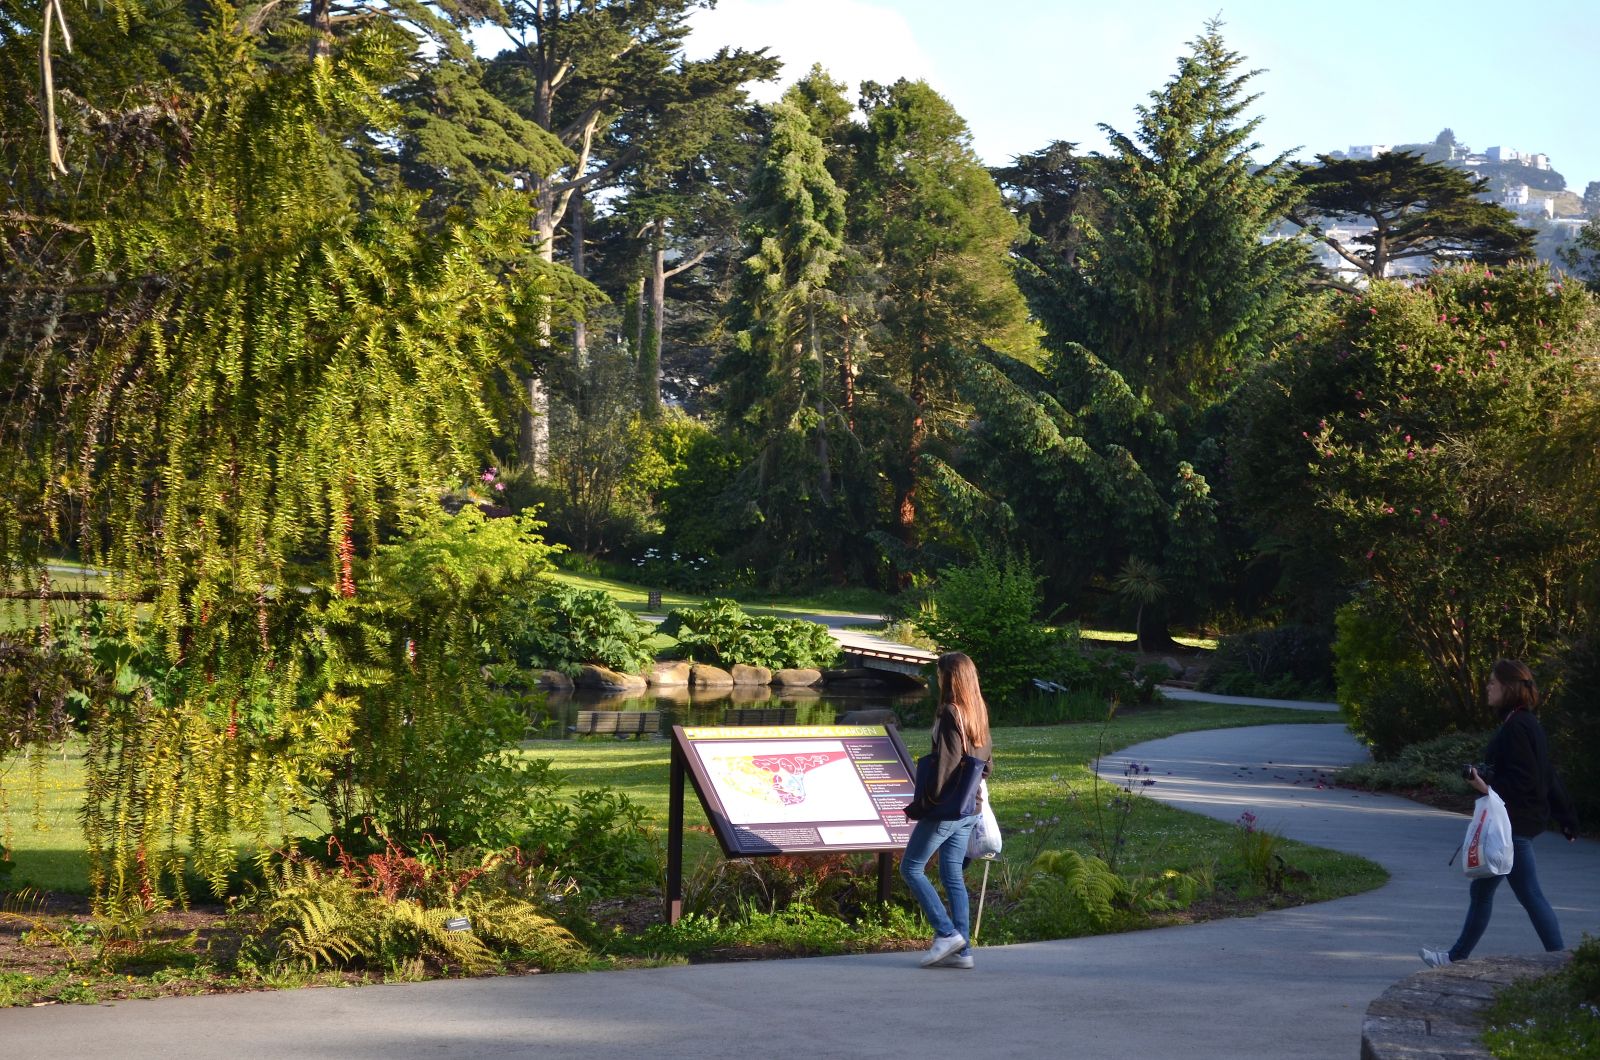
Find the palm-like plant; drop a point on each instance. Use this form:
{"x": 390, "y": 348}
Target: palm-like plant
{"x": 1139, "y": 581}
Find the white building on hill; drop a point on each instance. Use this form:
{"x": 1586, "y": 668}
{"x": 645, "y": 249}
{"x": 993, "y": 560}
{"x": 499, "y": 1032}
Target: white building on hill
{"x": 1510, "y": 154}
{"x": 1519, "y": 200}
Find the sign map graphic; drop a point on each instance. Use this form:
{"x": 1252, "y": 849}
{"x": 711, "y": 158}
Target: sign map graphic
{"x": 777, "y": 789}
{"x": 778, "y": 777}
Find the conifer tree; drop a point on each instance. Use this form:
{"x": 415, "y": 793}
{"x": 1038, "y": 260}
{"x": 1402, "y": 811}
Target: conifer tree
{"x": 942, "y": 240}
{"x": 1176, "y": 284}
{"x": 777, "y": 384}
{"x": 1418, "y": 210}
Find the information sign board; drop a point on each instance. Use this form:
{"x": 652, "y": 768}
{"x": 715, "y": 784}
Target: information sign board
{"x": 788, "y": 789}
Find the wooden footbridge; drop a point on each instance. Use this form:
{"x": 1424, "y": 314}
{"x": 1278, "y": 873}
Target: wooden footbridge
{"x": 875, "y": 653}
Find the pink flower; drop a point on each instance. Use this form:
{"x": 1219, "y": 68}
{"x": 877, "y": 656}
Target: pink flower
{"x": 500, "y": 487}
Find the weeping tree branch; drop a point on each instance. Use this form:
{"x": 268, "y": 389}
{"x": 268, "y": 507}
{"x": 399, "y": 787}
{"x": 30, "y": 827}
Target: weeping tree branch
{"x": 52, "y": 14}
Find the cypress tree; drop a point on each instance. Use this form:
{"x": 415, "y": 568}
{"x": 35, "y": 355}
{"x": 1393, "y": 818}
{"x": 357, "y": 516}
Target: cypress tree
{"x": 777, "y": 381}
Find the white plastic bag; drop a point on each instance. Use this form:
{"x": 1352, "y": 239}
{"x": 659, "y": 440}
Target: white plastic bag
{"x": 985, "y": 839}
{"x": 1488, "y": 843}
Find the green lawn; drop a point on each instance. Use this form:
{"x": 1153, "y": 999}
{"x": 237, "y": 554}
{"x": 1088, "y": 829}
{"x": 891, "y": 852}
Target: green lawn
{"x": 1040, "y": 771}
{"x": 64, "y": 577}
{"x": 43, "y": 833}
{"x": 1128, "y": 637}
{"x": 832, "y": 601}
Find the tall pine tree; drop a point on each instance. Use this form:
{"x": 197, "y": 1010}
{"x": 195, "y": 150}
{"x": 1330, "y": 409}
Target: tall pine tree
{"x": 778, "y": 387}
{"x": 942, "y": 239}
{"x": 1178, "y": 283}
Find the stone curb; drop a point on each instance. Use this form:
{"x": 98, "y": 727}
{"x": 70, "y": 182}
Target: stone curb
{"x": 1437, "y": 1014}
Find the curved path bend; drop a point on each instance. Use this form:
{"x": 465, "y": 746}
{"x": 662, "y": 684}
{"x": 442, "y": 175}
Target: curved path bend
{"x": 1291, "y": 983}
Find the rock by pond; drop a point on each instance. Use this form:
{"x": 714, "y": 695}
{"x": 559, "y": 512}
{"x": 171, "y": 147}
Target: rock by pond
{"x": 704, "y": 675}
{"x": 604, "y": 679}
{"x": 751, "y": 675}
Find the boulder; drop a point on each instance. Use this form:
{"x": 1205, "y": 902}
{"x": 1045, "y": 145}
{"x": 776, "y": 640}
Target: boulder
{"x": 874, "y": 716}
{"x": 703, "y": 675}
{"x": 605, "y": 679}
{"x": 751, "y": 675}
{"x": 797, "y": 678}
{"x": 553, "y": 681}
{"x": 669, "y": 673}
{"x": 1174, "y": 665}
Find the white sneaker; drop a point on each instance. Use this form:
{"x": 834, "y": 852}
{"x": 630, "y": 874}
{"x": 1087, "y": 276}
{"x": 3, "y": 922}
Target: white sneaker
{"x": 1434, "y": 958}
{"x": 956, "y": 960}
{"x": 942, "y": 947}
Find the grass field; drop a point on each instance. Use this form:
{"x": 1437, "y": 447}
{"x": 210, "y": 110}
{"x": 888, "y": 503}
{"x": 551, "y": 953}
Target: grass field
{"x": 1039, "y": 771}
{"x": 1043, "y": 772}
{"x": 64, "y": 577}
{"x": 1128, "y": 637}
{"x": 830, "y": 601}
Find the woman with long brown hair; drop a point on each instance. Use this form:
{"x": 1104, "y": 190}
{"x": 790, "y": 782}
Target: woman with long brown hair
{"x": 1517, "y": 764}
{"x": 960, "y": 729}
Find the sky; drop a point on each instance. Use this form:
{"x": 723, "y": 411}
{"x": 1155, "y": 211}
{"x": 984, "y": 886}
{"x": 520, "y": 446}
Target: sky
{"x": 1026, "y": 72}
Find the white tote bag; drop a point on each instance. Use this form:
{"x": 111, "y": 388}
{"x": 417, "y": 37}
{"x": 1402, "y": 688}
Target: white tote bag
{"x": 985, "y": 839}
{"x": 1488, "y": 843}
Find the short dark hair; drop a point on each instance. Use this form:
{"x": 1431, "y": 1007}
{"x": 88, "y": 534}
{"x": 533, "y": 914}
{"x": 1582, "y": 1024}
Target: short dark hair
{"x": 1521, "y": 692}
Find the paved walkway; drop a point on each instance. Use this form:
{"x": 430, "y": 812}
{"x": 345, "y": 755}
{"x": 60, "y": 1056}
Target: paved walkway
{"x": 1189, "y": 695}
{"x": 1292, "y": 983}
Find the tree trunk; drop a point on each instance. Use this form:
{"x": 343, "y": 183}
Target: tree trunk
{"x": 847, "y": 372}
{"x": 321, "y": 18}
{"x": 653, "y": 324}
{"x": 658, "y": 305}
{"x": 633, "y": 320}
{"x": 533, "y": 447}
{"x": 1152, "y": 632}
{"x": 580, "y": 325}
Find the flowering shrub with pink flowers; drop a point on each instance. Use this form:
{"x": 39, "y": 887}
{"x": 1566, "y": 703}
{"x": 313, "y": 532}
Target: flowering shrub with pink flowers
{"x": 1429, "y": 438}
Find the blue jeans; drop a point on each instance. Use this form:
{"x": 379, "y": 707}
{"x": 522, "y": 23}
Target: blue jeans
{"x": 1524, "y": 877}
{"x": 949, "y": 839}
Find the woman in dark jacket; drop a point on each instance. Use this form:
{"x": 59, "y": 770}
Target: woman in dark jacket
{"x": 1517, "y": 764}
{"x": 961, "y": 728}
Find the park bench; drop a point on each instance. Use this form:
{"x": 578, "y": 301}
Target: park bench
{"x": 618, "y": 722}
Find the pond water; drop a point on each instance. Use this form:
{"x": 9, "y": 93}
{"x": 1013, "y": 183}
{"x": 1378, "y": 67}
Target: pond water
{"x": 557, "y": 717}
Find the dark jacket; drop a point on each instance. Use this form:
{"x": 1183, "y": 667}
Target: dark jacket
{"x": 1518, "y": 757}
{"x": 948, "y": 751}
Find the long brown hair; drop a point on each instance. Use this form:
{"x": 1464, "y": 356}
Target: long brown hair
{"x": 958, "y": 686}
{"x": 1521, "y": 692}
